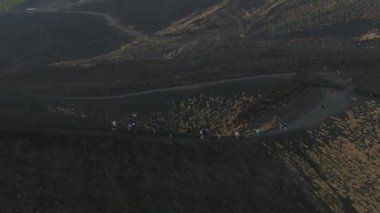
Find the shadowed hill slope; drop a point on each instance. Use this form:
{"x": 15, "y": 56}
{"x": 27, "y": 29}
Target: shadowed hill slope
{"x": 61, "y": 157}
{"x": 332, "y": 168}
{"x": 35, "y": 39}
{"x": 198, "y": 41}
{"x": 104, "y": 173}
{"x": 250, "y": 37}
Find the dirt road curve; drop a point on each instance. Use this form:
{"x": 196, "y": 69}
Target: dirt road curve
{"x": 333, "y": 102}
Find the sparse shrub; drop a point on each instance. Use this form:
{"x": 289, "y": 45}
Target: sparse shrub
{"x": 213, "y": 112}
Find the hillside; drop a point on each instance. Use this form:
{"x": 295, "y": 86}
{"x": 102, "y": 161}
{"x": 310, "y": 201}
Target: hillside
{"x": 333, "y": 168}
{"x": 8, "y": 5}
{"x": 99, "y": 173}
{"x": 36, "y": 39}
{"x": 224, "y": 39}
{"x": 148, "y": 16}
{"x": 103, "y": 104}
{"x": 341, "y": 159}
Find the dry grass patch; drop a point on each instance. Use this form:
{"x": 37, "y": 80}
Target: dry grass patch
{"x": 369, "y": 36}
{"x": 343, "y": 159}
{"x": 212, "y": 112}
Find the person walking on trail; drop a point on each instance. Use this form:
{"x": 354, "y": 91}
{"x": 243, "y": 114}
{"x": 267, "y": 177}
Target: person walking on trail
{"x": 237, "y": 134}
{"x": 201, "y": 134}
{"x": 280, "y": 126}
{"x": 154, "y": 128}
{"x": 129, "y": 127}
{"x": 247, "y": 133}
{"x": 134, "y": 128}
{"x": 205, "y": 133}
{"x": 257, "y": 132}
{"x": 219, "y": 135}
{"x": 285, "y": 127}
{"x": 114, "y": 126}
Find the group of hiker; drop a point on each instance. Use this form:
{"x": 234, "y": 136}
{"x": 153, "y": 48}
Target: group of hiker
{"x": 131, "y": 127}
{"x": 204, "y": 132}
{"x": 283, "y": 127}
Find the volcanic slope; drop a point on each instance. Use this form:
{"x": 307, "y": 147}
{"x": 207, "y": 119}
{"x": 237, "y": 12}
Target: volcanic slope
{"x": 38, "y": 39}
{"x": 333, "y": 168}
{"x": 95, "y": 172}
{"x": 245, "y": 38}
{"x": 145, "y": 15}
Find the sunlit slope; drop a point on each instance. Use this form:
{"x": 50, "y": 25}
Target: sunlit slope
{"x": 341, "y": 159}
{"x": 149, "y": 15}
{"x": 338, "y": 17}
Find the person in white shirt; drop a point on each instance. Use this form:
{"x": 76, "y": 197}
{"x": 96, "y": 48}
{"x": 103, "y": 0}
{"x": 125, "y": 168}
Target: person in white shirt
{"x": 114, "y": 126}
{"x": 237, "y": 134}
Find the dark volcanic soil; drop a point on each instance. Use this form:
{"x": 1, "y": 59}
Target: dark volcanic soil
{"x": 59, "y": 172}
{"x": 147, "y": 15}
{"x": 35, "y": 39}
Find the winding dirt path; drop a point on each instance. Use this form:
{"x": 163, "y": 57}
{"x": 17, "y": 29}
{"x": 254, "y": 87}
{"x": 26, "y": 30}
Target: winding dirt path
{"x": 333, "y": 102}
{"x": 177, "y": 88}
